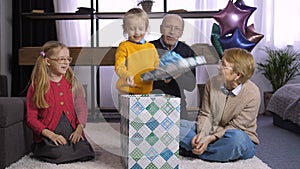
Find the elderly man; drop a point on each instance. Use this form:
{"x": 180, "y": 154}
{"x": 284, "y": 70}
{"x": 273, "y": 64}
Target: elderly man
{"x": 171, "y": 30}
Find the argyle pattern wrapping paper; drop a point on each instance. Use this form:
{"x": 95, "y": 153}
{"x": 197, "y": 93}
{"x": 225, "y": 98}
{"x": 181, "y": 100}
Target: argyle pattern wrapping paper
{"x": 150, "y": 131}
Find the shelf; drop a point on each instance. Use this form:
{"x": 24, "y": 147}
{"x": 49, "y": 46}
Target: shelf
{"x": 56, "y": 16}
{"x": 82, "y": 56}
{"x": 114, "y": 15}
{"x": 87, "y": 56}
{"x": 159, "y": 15}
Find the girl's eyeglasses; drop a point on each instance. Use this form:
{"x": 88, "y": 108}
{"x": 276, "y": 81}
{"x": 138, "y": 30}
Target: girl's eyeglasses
{"x": 62, "y": 60}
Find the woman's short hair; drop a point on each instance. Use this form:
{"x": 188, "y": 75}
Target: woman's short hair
{"x": 241, "y": 62}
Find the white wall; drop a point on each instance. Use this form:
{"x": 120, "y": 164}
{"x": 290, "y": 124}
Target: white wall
{"x": 6, "y": 39}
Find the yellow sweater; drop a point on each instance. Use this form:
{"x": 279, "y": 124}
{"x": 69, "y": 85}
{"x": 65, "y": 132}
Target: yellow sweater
{"x": 132, "y": 60}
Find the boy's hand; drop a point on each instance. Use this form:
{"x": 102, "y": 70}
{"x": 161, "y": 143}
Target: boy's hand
{"x": 130, "y": 81}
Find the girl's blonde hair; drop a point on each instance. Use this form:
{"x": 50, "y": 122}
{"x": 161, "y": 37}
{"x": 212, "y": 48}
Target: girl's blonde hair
{"x": 241, "y": 62}
{"x": 39, "y": 77}
{"x": 135, "y": 12}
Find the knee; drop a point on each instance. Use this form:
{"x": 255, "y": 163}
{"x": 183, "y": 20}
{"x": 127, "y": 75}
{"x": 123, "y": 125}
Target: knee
{"x": 237, "y": 138}
{"x": 187, "y": 124}
{"x": 237, "y": 135}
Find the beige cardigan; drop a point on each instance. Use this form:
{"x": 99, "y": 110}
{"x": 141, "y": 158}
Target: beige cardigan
{"x": 220, "y": 112}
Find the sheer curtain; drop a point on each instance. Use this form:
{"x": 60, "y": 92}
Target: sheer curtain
{"x": 72, "y": 32}
{"x": 271, "y": 18}
{"x": 279, "y": 26}
{"x": 75, "y": 33}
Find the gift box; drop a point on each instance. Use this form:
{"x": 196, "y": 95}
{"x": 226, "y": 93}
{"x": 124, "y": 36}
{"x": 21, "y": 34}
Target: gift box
{"x": 150, "y": 131}
{"x": 172, "y": 67}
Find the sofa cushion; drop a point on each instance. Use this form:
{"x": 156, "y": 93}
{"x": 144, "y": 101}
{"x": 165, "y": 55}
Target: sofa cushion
{"x": 12, "y": 144}
{"x": 12, "y": 110}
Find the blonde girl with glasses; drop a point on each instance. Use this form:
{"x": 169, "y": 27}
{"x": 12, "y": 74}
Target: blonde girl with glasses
{"x": 56, "y": 108}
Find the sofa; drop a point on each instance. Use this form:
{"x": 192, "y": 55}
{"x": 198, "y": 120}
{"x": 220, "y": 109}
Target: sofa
{"x": 285, "y": 107}
{"x": 15, "y": 137}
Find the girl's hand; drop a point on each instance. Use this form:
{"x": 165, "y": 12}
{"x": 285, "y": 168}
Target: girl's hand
{"x": 77, "y": 134}
{"x": 58, "y": 139}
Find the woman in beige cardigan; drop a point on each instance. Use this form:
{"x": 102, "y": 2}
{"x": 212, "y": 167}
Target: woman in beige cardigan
{"x": 226, "y": 126}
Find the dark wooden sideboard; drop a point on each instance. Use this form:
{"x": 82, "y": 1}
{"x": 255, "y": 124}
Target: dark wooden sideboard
{"x": 93, "y": 56}
{"x": 82, "y": 56}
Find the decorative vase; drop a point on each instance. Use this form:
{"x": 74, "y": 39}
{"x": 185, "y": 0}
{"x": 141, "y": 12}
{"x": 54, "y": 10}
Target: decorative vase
{"x": 147, "y": 6}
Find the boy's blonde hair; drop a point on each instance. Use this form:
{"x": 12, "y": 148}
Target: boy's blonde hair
{"x": 135, "y": 12}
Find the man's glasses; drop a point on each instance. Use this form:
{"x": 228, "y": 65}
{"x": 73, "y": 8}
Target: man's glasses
{"x": 223, "y": 66}
{"x": 170, "y": 27}
{"x": 62, "y": 59}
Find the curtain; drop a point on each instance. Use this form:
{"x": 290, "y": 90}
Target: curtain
{"x": 72, "y": 32}
{"x": 75, "y": 33}
{"x": 276, "y": 20}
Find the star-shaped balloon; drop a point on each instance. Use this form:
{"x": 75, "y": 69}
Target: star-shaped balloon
{"x": 214, "y": 38}
{"x": 253, "y": 36}
{"x": 241, "y": 4}
{"x": 231, "y": 18}
{"x": 236, "y": 40}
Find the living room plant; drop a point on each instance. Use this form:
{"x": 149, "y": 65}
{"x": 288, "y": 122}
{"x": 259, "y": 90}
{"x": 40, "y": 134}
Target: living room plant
{"x": 281, "y": 66}
{"x": 146, "y": 5}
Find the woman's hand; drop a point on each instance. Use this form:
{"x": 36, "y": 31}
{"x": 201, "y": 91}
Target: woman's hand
{"x": 201, "y": 147}
{"x": 200, "y": 143}
{"x": 77, "y": 134}
{"x": 196, "y": 139}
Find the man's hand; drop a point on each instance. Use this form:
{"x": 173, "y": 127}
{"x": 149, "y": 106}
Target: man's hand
{"x": 169, "y": 80}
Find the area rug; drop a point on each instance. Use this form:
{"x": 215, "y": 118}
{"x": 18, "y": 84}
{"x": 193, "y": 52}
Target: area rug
{"x": 105, "y": 139}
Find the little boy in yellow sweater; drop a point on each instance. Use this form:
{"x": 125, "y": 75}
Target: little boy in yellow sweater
{"x": 135, "y": 55}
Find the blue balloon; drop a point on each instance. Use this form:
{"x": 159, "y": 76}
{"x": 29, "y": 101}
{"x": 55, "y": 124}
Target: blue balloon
{"x": 236, "y": 40}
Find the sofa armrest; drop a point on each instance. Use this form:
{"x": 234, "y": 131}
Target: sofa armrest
{"x": 12, "y": 110}
{"x": 15, "y": 137}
